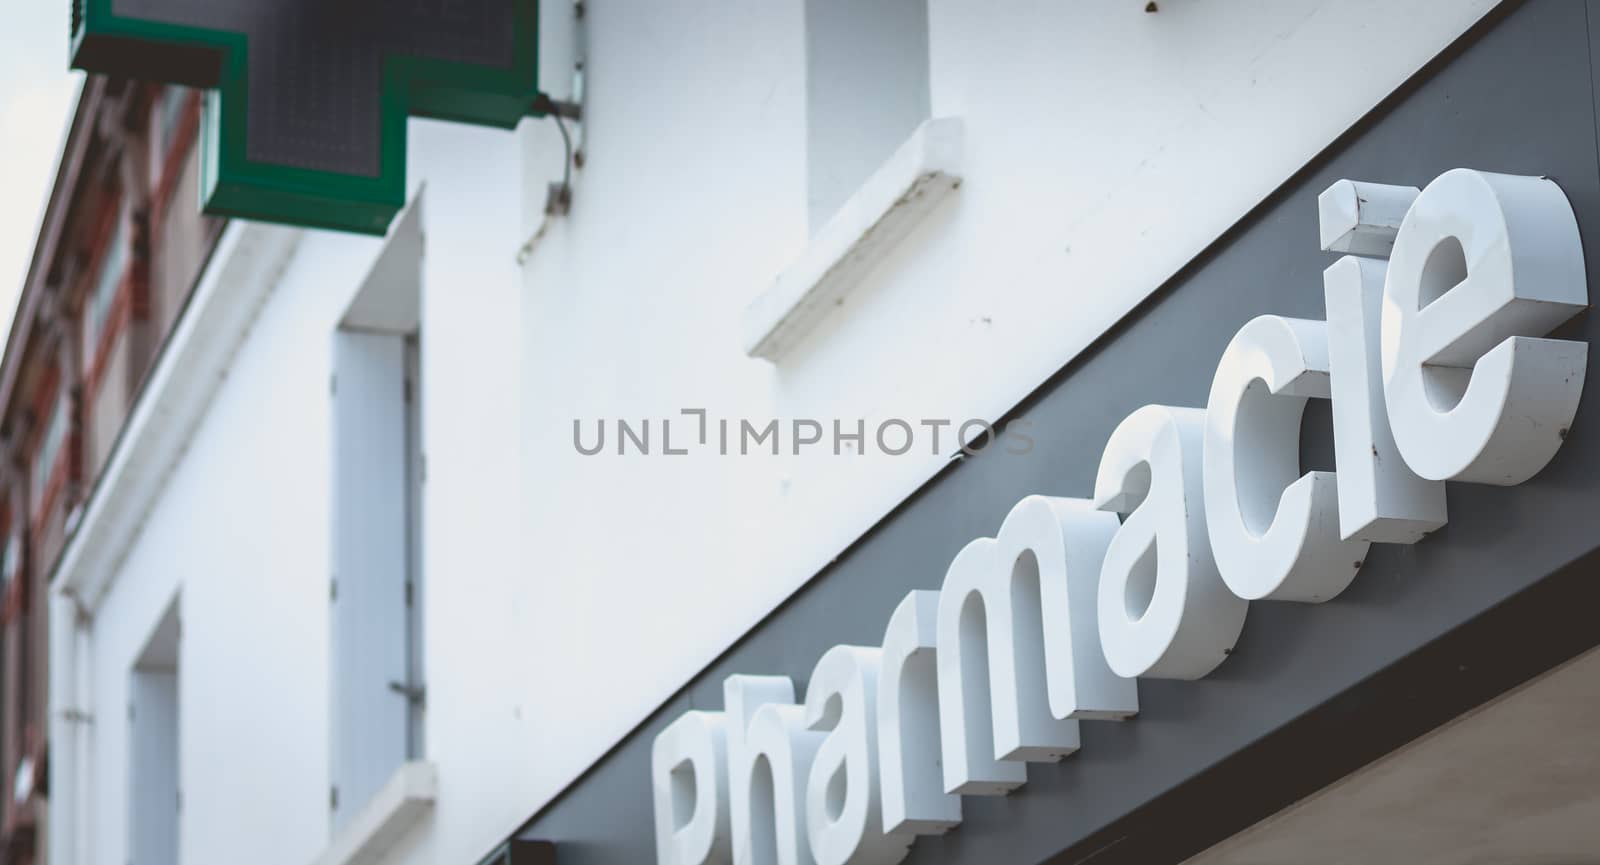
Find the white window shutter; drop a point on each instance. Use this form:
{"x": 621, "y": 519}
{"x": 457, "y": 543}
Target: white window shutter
{"x": 153, "y": 767}
{"x": 369, "y": 567}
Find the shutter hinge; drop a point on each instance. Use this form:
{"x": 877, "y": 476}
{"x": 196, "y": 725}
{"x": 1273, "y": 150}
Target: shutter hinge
{"x": 333, "y": 798}
{"x": 333, "y": 384}
{"x": 333, "y": 589}
{"x": 410, "y": 593}
{"x": 414, "y": 694}
{"x": 405, "y": 388}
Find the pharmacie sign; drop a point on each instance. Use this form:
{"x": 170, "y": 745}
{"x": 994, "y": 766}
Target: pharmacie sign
{"x": 307, "y": 120}
{"x": 1435, "y": 358}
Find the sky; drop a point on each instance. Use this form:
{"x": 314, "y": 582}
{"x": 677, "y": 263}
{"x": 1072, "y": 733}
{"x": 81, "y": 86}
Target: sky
{"x": 37, "y": 94}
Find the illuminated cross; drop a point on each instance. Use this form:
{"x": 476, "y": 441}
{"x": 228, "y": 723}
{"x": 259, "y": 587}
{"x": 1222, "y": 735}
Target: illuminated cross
{"x": 306, "y": 122}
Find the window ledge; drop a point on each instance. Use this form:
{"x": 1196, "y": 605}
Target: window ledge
{"x": 395, "y": 808}
{"x": 921, "y": 174}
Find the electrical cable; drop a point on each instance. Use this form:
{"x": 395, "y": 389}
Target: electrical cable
{"x": 566, "y": 141}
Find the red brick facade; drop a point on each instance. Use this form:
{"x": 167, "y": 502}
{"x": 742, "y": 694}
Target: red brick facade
{"x": 121, "y": 246}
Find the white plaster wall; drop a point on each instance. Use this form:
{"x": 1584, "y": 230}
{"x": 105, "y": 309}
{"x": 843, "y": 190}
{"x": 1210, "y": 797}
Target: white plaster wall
{"x": 241, "y": 534}
{"x": 567, "y": 596}
{"x": 1106, "y": 148}
{"x": 477, "y": 588}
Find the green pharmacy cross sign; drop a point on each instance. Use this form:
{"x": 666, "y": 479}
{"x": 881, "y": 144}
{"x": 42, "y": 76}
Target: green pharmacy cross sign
{"x": 306, "y": 118}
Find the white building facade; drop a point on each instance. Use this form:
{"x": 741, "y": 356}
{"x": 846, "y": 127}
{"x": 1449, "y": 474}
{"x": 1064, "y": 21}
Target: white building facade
{"x": 351, "y": 590}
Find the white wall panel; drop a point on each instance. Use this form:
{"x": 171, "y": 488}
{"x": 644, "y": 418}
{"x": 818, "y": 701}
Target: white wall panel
{"x": 369, "y": 535}
{"x": 153, "y": 767}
